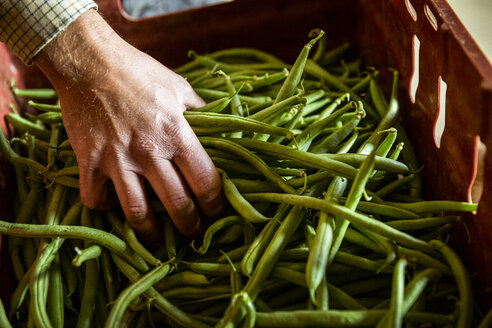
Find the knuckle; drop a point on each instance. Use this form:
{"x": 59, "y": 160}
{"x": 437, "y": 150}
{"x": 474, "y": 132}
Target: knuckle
{"x": 182, "y": 206}
{"x": 88, "y": 201}
{"x": 209, "y": 189}
{"x": 137, "y": 212}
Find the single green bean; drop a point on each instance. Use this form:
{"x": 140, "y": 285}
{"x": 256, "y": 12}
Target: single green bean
{"x": 394, "y": 317}
{"x": 138, "y": 248}
{"x": 462, "y": 278}
{"x": 320, "y": 248}
{"x": 238, "y": 202}
{"x": 290, "y": 84}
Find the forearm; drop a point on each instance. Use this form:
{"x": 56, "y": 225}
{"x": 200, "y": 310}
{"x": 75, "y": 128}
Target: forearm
{"x": 88, "y": 46}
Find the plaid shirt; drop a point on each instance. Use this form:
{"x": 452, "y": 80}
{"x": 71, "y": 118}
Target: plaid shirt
{"x": 26, "y": 26}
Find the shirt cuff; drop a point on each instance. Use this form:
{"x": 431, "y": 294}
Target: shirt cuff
{"x": 27, "y": 26}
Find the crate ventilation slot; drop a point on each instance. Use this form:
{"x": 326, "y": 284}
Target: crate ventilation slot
{"x": 475, "y": 188}
{"x": 411, "y": 10}
{"x": 430, "y": 17}
{"x": 440, "y": 122}
{"x": 414, "y": 79}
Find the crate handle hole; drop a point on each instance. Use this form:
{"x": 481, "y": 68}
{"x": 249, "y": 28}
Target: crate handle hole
{"x": 475, "y": 188}
{"x": 430, "y": 17}
{"x": 411, "y": 10}
{"x": 440, "y": 122}
{"x": 414, "y": 79}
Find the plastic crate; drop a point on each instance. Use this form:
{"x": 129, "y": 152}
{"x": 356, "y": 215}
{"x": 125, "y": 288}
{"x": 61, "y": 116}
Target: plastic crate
{"x": 452, "y": 71}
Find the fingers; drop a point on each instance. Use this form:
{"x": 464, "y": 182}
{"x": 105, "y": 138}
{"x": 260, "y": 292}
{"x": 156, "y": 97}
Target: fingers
{"x": 94, "y": 190}
{"x": 193, "y": 100}
{"x": 133, "y": 198}
{"x": 200, "y": 174}
{"x": 175, "y": 196}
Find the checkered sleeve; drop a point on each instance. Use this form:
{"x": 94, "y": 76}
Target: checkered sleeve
{"x": 26, "y": 26}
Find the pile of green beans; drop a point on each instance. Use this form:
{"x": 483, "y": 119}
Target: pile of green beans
{"x": 327, "y": 225}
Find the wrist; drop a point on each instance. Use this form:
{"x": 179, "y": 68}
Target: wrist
{"x": 81, "y": 53}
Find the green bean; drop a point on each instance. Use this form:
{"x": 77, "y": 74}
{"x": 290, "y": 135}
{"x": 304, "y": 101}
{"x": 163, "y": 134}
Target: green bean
{"x": 204, "y": 123}
{"x": 361, "y": 262}
{"x": 116, "y": 223}
{"x": 133, "y": 291}
{"x": 315, "y": 70}
{"x": 462, "y": 280}
{"x": 329, "y": 318}
{"x": 231, "y": 235}
{"x": 215, "y": 227}
{"x": 48, "y": 117}
{"x": 68, "y": 274}
{"x": 394, "y": 317}
{"x": 291, "y": 275}
{"x": 45, "y": 107}
{"x": 184, "y": 278}
{"x": 100, "y": 237}
{"x": 424, "y": 223}
{"x": 267, "y": 261}
{"x": 138, "y": 248}
{"x": 250, "y": 53}
{"x": 261, "y": 242}
{"x": 210, "y": 268}
{"x": 269, "y": 79}
{"x": 90, "y": 253}
{"x": 250, "y": 157}
{"x": 305, "y": 138}
{"x": 211, "y": 63}
{"x": 39, "y": 281}
{"x": 215, "y": 94}
{"x": 487, "y": 320}
{"x": 290, "y": 84}
{"x": 19, "y": 294}
{"x": 250, "y": 320}
{"x": 55, "y": 306}
{"x": 298, "y": 156}
{"x": 332, "y": 56}
{"x": 4, "y": 321}
{"x": 353, "y": 199}
{"x": 385, "y": 209}
{"x": 91, "y": 279}
{"x": 71, "y": 170}
{"x": 17, "y": 265}
{"x": 27, "y": 210}
{"x": 330, "y": 143}
{"x": 334, "y": 209}
{"x": 362, "y": 84}
{"x": 371, "y": 285}
{"x": 33, "y": 93}
{"x": 246, "y": 185}
{"x": 424, "y": 259}
{"x": 394, "y": 186}
{"x": 235, "y": 254}
{"x": 320, "y": 249}
{"x": 192, "y": 292}
{"x": 158, "y": 300}
{"x": 238, "y": 202}
{"x": 215, "y": 106}
{"x": 277, "y": 108}
{"x": 170, "y": 237}
{"x": 382, "y": 163}
{"x": 436, "y": 206}
{"x": 416, "y": 286}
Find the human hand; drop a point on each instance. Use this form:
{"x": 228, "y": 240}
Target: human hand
{"x": 123, "y": 113}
